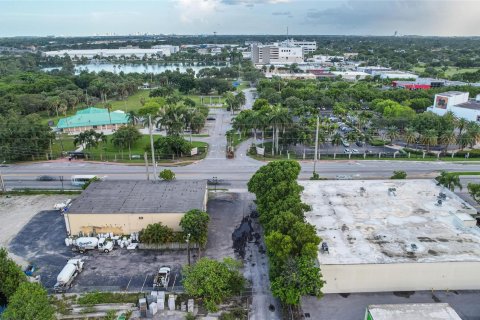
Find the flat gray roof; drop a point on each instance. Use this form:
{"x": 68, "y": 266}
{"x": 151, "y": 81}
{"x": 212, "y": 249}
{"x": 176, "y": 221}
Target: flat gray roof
{"x": 110, "y": 197}
{"x": 474, "y": 105}
{"x": 413, "y": 311}
{"x": 390, "y": 221}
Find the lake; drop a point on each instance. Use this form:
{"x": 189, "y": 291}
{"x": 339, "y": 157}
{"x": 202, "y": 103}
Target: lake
{"x": 132, "y": 68}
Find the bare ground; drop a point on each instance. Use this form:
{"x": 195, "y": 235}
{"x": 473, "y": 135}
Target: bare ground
{"x": 16, "y": 212}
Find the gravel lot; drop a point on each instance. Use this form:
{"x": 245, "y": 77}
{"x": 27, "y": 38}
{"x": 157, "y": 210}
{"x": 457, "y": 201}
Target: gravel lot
{"x": 16, "y": 212}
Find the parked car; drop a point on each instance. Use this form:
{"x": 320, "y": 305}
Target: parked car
{"x": 345, "y": 143}
{"x": 347, "y": 151}
{"x": 354, "y": 151}
{"x": 360, "y": 143}
{"x": 211, "y": 118}
{"x": 46, "y": 178}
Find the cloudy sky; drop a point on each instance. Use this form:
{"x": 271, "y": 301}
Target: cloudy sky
{"x": 352, "y": 17}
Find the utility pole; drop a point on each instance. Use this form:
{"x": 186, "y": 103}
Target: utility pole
{"x": 188, "y": 247}
{"x": 2, "y": 184}
{"x": 153, "y": 150}
{"x": 316, "y": 146}
{"x": 146, "y": 165}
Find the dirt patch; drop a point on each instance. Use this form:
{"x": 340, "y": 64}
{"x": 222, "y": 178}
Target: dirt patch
{"x": 17, "y": 211}
{"x": 404, "y": 294}
{"x": 241, "y": 235}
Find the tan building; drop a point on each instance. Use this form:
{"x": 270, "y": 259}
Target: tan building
{"x": 393, "y": 235}
{"x": 123, "y": 207}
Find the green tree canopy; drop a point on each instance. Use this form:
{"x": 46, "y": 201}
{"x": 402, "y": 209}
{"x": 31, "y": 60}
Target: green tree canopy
{"x": 11, "y": 276}
{"x": 29, "y": 302}
{"x": 213, "y": 281}
{"x": 195, "y": 223}
{"x": 156, "y": 233}
{"x": 167, "y": 175}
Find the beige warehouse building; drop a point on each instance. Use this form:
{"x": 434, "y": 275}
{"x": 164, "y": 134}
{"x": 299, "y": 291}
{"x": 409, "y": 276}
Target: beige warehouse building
{"x": 393, "y": 235}
{"x": 123, "y": 207}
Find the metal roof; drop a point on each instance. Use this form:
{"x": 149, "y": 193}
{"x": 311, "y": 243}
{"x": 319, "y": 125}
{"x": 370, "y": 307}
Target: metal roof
{"x": 110, "y": 197}
{"x": 413, "y": 311}
{"x": 93, "y": 117}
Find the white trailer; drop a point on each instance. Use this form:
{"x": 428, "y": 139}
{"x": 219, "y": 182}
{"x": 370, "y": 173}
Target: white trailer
{"x": 68, "y": 274}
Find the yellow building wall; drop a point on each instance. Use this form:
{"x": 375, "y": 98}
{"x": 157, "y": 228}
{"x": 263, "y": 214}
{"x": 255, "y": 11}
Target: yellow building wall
{"x": 119, "y": 223}
{"x": 400, "y": 277}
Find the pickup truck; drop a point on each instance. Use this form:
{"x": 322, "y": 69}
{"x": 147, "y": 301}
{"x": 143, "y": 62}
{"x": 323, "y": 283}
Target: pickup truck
{"x": 162, "y": 278}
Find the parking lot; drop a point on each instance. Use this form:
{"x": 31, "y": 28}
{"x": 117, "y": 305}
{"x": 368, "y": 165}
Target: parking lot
{"x": 42, "y": 242}
{"x": 353, "y": 306}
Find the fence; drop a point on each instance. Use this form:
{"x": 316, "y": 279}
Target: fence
{"x": 167, "y": 246}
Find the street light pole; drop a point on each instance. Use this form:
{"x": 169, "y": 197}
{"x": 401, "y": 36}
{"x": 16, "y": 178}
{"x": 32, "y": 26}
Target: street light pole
{"x": 153, "y": 150}
{"x": 316, "y": 146}
{"x": 188, "y": 248}
{"x": 2, "y": 184}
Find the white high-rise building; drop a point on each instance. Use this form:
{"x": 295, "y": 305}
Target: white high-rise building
{"x": 308, "y": 46}
{"x": 274, "y": 54}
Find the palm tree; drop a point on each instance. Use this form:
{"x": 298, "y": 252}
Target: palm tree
{"x": 241, "y": 99}
{"x": 410, "y": 136}
{"x": 430, "y": 138}
{"x": 392, "y": 133}
{"x": 449, "y": 180}
{"x": 465, "y": 139}
{"x": 336, "y": 139}
{"x": 108, "y": 106}
{"x": 461, "y": 125}
{"x": 447, "y": 138}
{"x": 473, "y": 129}
{"x": 278, "y": 119}
{"x": 132, "y": 117}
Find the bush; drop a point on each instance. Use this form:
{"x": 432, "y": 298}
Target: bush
{"x": 378, "y": 142}
{"x": 156, "y": 233}
{"x": 93, "y": 298}
{"x": 167, "y": 175}
{"x": 399, "y": 175}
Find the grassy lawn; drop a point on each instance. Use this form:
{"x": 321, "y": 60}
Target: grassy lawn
{"x": 108, "y": 152}
{"x": 67, "y": 142}
{"x": 132, "y": 103}
{"x": 206, "y": 99}
{"x": 449, "y": 72}
{"x": 243, "y": 85}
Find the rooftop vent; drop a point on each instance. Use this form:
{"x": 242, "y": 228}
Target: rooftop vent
{"x": 392, "y": 191}
{"x": 442, "y": 196}
{"x": 325, "y": 247}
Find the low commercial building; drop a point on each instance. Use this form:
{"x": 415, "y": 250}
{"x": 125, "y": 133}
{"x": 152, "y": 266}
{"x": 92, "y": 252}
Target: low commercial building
{"x": 93, "y": 118}
{"x": 394, "y": 74}
{"x": 351, "y": 75}
{"x": 123, "y": 207}
{"x": 160, "y": 50}
{"x": 411, "y": 311}
{"x": 458, "y": 103}
{"x": 393, "y": 235}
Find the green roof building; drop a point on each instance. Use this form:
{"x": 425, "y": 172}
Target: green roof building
{"x": 93, "y": 118}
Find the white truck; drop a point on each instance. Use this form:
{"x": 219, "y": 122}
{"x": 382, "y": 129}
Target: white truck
{"x": 68, "y": 273}
{"x": 84, "y": 244}
{"x": 62, "y": 205}
{"x": 162, "y": 278}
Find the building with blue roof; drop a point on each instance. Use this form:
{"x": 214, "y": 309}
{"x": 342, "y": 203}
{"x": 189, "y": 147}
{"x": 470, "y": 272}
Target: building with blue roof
{"x": 93, "y": 118}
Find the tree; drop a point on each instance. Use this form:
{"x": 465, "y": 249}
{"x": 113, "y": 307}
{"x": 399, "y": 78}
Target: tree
{"x": 11, "y": 276}
{"x": 392, "y": 133}
{"x": 167, "y": 175}
{"x": 108, "y": 106}
{"x": 195, "y": 222}
{"x": 447, "y": 138}
{"x": 449, "y": 180}
{"x": 29, "y": 302}
{"x": 399, "y": 175}
{"x": 297, "y": 278}
{"x": 410, "y": 136}
{"x": 474, "y": 190}
{"x": 156, "y": 233}
{"x": 126, "y": 136}
{"x": 213, "y": 281}
{"x": 259, "y": 104}
{"x": 172, "y": 146}
{"x": 429, "y": 138}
